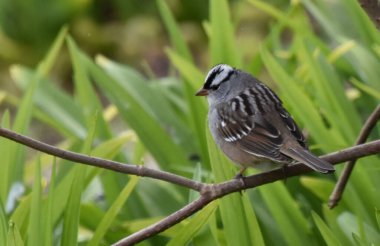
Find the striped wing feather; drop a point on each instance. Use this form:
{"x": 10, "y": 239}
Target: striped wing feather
{"x": 255, "y": 135}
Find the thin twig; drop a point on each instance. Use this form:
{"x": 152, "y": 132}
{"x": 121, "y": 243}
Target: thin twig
{"x": 211, "y": 192}
{"x": 337, "y": 193}
{"x": 166, "y": 223}
{"x": 99, "y": 162}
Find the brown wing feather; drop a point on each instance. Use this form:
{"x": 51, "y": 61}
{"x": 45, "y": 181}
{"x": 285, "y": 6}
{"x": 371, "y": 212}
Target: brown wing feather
{"x": 240, "y": 124}
{"x": 259, "y": 138}
{"x": 292, "y": 126}
{"x": 264, "y": 141}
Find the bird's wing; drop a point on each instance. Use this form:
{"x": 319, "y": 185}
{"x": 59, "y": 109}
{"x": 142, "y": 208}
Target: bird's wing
{"x": 252, "y": 134}
{"x": 292, "y": 126}
{"x": 247, "y": 121}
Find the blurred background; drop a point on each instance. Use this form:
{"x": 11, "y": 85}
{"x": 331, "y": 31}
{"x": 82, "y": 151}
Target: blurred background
{"x": 129, "y": 32}
{"x": 116, "y": 79}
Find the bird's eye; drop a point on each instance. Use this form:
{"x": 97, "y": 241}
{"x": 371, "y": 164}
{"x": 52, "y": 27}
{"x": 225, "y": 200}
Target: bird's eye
{"x": 215, "y": 87}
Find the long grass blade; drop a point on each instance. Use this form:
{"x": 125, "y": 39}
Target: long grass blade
{"x": 3, "y": 225}
{"x": 235, "y": 224}
{"x": 34, "y": 229}
{"x": 48, "y": 217}
{"x": 187, "y": 232}
{"x": 327, "y": 234}
{"x": 72, "y": 212}
{"x": 222, "y": 41}
{"x": 112, "y": 212}
{"x": 14, "y": 237}
{"x": 24, "y": 112}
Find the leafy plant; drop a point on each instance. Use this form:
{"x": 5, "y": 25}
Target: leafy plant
{"x": 166, "y": 128}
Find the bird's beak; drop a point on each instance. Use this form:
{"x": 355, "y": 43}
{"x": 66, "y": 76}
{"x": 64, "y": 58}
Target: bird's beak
{"x": 202, "y": 92}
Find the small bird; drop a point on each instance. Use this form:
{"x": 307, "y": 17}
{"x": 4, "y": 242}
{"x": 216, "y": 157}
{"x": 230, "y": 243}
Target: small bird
{"x": 250, "y": 125}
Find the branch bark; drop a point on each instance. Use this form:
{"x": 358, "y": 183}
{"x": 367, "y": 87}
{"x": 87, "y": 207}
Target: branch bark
{"x": 99, "y": 162}
{"x": 372, "y": 8}
{"x": 209, "y": 192}
{"x": 370, "y": 123}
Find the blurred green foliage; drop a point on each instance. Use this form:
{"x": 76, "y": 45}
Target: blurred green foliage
{"x": 325, "y": 69}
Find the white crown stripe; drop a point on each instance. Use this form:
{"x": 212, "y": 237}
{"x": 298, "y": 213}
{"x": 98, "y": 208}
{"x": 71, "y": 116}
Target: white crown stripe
{"x": 219, "y": 74}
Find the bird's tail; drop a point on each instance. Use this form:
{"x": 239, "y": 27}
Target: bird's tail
{"x": 305, "y": 157}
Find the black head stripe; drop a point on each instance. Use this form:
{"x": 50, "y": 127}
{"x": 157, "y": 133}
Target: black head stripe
{"x": 212, "y": 79}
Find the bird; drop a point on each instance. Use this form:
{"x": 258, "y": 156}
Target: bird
{"x": 249, "y": 123}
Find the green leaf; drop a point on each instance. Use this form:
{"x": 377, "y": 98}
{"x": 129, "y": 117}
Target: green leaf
{"x": 43, "y": 68}
{"x": 188, "y": 70}
{"x": 361, "y": 30}
{"x": 108, "y": 150}
{"x": 196, "y": 114}
{"x": 85, "y": 93}
{"x": 222, "y": 43}
{"x": 352, "y": 224}
{"x": 327, "y": 234}
{"x": 289, "y": 219}
{"x": 14, "y": 237}
{"x": 5, "y": 146}
{"x": 151, "y": 99}
{"x": 176, "y": 37}
{"x": 331, "y": 219}
{"x": 269, "y": 9}
{"x": 111, "y": 147}
{"x": 301, "y": 104}
{"x": 21, "y": 215}
{"x": 235, "y": 224}
{"x": 217, "y": 232}
{"x": 138, "y": 224}
{"x": 3, "y": 225}
{"x": 24, "y": 112}
{"x": 48, "y": 218}
{"x": 112, "y": 212}
{"x": 197, "y": 176}
{"x": 352, "y": 197}
{"x": 253, "y": 224}
{"x": 369, "y": 72}
{"x": 72, "y": 212}
{"x": 322, "y": 188}
{"x": 358, "y": 240}
{"x": 149, "y": 130}
{"x": 187, "y": 232}
{"x": 366, "y": 88}
{"x": 361, "y": 27}
{"x": 155, "y": 195}
{"x": 329, "y": 92}
{"x": 55, "y": 107}
{"x": 193, "y": 79}
{"x": 34, "y": 230}
{"x": 87, "y": 146}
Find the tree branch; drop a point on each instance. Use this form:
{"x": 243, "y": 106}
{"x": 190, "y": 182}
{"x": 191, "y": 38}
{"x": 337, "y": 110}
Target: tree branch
{"x": 342, "y": 182}
{"x": 209, "y": 192}
{"x": 102, "y": 163}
